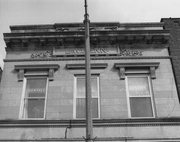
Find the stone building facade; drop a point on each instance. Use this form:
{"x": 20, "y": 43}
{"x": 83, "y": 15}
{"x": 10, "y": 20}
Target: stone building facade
{"x": 134, "y": 89}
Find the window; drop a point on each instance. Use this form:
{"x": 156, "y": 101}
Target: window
{"x": 79, "y": 96}
{"x": 34, "y": 98}
{"x": 35, "y": 79}
{"x": 139, "y": 95}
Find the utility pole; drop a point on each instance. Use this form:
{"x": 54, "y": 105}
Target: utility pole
{"x": 89, "y": 125}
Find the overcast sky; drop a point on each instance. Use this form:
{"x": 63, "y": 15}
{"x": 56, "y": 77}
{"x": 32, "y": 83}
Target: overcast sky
{"x": 22, "y": 12}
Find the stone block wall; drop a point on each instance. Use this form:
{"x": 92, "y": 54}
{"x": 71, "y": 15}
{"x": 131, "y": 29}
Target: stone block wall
{"x": 113, "y": 99}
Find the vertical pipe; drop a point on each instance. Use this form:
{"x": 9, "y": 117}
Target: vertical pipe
{"x": 89, "y": 130}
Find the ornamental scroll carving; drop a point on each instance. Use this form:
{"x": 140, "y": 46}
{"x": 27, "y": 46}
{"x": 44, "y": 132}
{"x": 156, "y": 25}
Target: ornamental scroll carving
{"x": 130, "y": 52}
{"x": 43, "y": 54}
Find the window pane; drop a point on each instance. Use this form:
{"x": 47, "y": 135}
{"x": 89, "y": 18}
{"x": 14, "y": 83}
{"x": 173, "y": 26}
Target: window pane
{"x": 95, "y": 108}
{"x": 81, "y": 108}
{"x": 94, "y": 87}
{"x": 36, "y": 87}
{"x": 34, "y": 108}
{"x": 141, "y": 107}
{"x": 138, "y": 86}
{"x": 81, "y": 87}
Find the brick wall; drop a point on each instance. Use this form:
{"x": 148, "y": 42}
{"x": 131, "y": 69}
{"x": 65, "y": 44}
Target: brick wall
{"x": 173, "y": 24}
{"x": 0, "y": 73}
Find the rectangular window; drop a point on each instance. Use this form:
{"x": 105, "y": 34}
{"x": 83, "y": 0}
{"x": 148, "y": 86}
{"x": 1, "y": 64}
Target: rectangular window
{"x": 139, "y": 94}
{"x": 34, "y": 100}
{"x": 80, "y": 108}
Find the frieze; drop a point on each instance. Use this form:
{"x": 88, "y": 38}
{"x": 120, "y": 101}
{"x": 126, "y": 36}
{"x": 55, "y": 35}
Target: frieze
{"x": 42, "y": 54}
{"x": 99, "y": 51}
{"x": 82, "y": 51}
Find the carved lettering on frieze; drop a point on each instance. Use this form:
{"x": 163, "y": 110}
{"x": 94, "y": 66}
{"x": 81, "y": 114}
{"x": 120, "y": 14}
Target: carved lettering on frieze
{"x": 42, "y": 54}
{"x": 93, "y": 51}
{"x": 100, "y": 51}
{"x": 130, "y": 52}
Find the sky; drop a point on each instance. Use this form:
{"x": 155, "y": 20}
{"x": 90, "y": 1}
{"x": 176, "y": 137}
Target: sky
{"x": 31, "y": 12}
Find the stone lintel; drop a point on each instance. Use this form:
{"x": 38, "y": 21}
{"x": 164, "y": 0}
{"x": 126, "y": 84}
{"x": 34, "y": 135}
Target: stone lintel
{"x": 50, "y": 68}
{"x": 150, "y": 66}
{"x": 82, "y": 66}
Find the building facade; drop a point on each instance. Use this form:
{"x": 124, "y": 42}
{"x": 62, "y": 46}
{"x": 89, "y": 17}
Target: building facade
{"x": 134, "y": 82}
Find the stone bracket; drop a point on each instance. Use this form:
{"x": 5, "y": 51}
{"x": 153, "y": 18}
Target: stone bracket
{"x": 150, "y": 66}
{"x": 50, "y": 68}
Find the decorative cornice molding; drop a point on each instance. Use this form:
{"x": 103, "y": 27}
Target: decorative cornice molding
{"x": 82, "y": 66}
{"x": 66, "y": 58}
{"x": 112, "y": 36}
{"x": 102, "y": 139}
{"x": 81, "y": 33}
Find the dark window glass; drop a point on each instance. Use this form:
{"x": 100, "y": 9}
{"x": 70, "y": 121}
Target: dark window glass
{"x": 141, "y": 107}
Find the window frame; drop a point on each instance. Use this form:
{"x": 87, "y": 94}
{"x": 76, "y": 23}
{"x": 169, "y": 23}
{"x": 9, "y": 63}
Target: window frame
{"x": 150, "y": 96}
{"x": 23, "y": 98}
{"x": 75, "y": 94}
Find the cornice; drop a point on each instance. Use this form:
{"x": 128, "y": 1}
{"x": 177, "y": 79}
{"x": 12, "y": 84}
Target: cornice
{"x": 92, "y": 24}
{"x": 124, "y": 139}
{"x": 81, "y": 33}
{"x": 102, "y": 139}
{"x": 62, "y": 38}
{"x": 82, "y": 58}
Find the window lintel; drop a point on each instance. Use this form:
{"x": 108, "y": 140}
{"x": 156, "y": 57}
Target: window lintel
{"x": 137, "y": 64}
{"x": 50, "y": 68}
{"x": 82, "y": 66}
{"x": 38, "y": 66}
{"x": 152, "y": 66}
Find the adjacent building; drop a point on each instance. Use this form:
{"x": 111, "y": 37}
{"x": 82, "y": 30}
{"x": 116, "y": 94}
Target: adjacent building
{"x": 135, "y": 82}
{"x": 0, "y": 73}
